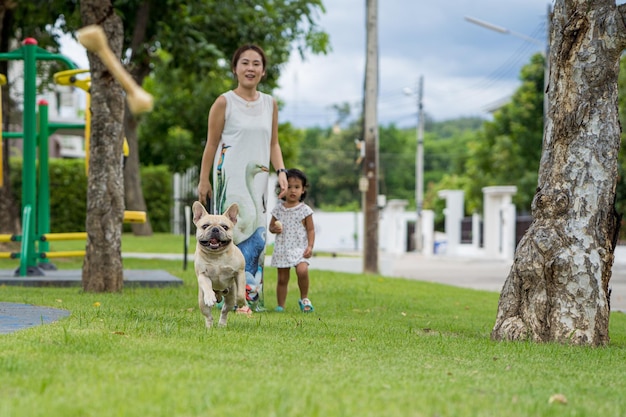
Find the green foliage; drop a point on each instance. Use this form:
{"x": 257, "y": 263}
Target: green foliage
{"x": 507, "y": 151}
{"x": 396, "y": 156}
{"x": 329, "y": 157}
{"x": 68, "y": 194}
{"x": 181, "y": 112}
{"x": 291, "y": 140}
{"x": 191, "y": 67}
{"x": 181, "y": 51}
{"x": 329, "y": 160}
{"x": 156, "y": 183}
{"x": 45, "y": 21}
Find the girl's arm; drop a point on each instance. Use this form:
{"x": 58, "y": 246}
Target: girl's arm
{"x": 310, "y": 235}
{"x": 276, "y": 227}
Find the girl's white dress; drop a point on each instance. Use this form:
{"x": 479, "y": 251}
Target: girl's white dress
{"x": 289, "y": 246}
{"x": 240, "y": 175}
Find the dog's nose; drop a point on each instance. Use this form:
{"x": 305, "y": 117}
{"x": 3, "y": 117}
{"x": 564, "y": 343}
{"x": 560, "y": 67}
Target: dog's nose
{"x": 215, "y": 230}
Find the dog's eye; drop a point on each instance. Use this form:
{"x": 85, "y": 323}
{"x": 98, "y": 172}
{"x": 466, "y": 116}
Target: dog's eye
{"x": 225, "y": 227}
{"x": 205, "y": 226}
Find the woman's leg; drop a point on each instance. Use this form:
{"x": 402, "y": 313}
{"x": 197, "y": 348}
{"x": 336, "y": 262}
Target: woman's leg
{"x": 282, "y": 286}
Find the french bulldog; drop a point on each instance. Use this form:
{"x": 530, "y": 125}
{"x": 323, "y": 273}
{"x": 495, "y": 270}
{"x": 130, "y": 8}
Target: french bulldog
{"x": 219, "y": 264}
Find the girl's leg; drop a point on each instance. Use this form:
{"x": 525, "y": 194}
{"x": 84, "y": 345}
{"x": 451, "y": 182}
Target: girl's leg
{"x": 281, "y": 286}
{"x": 302, "y": 270}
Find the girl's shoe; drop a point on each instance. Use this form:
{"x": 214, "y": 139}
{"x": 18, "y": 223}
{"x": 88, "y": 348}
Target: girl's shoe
{"x": 279, "y": 309}
{"x": 305, "y": 305}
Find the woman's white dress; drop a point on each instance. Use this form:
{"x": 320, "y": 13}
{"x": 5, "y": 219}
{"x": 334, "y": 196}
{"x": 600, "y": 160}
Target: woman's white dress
{"x": 240, "y": 175}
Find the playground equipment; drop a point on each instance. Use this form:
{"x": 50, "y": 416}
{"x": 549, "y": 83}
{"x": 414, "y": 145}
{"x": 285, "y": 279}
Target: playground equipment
{"x": 70, "y": 78}
{"x": 36, "y": 211}
{"x": 3, "y": 81}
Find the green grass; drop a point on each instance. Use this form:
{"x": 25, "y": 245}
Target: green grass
{"x": 374, "y": 346}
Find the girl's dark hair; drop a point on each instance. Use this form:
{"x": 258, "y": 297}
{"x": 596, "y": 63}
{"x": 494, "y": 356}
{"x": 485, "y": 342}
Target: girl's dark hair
{"x": 295, "y": 173}
{"x": 245, "y": 48}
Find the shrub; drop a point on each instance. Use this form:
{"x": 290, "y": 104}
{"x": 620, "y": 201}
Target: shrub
{"x": 68, "y": 194}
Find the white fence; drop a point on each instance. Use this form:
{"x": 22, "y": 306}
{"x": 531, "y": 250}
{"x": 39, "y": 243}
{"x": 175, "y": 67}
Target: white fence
{"x": 334, "y": 231}
{"x": 185, "y": 188}
{"x": 343, "y": 231}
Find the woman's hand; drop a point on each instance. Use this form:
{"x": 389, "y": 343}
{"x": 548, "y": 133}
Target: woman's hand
{"x": 282, "y": 182}
{"x": 205, "y": 191}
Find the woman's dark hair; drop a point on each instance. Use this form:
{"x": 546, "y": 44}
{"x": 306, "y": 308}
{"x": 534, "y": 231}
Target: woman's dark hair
{"x": 295, "y": 173}
{"x": 245, "y": 48}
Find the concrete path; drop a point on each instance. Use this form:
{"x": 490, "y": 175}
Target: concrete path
{"x": 14, "y": 316}
{"x": 474, "y": 273}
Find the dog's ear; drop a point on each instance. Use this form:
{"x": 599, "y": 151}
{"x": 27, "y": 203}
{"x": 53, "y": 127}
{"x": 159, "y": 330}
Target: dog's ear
{"x": 198, "y": 211}
{"x": 231, "y": 212}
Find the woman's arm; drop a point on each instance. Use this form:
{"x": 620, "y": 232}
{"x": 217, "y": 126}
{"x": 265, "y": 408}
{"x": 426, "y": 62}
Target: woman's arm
{"x": 216, "y": 122}
{"x": 276, "y": 154}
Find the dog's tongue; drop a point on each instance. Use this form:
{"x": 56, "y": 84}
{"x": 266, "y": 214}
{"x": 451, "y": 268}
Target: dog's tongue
{"x": 214, "y": 242}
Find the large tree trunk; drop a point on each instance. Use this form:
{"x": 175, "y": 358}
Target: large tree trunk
{"x": 132, "y": 178}
{"x": 102, "y": 267}
{"x": 558, "y": 287}
{"x": 132, "y": 175}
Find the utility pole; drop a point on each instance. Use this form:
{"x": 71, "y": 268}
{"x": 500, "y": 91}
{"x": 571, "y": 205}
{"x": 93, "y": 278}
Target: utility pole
{"x": 419, "y": 167}
{"x": 369, "y": 180}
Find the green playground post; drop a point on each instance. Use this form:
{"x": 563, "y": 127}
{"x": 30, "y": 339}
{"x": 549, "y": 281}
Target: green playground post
{"x": 43, "y": 202}
{"x": 29, "y": 169}
{"x": 30, "y": 53}
{"x": 24, "y": 253}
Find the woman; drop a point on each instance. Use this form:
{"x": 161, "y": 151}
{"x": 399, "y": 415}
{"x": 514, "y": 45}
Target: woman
{"x": 242, "y": 139}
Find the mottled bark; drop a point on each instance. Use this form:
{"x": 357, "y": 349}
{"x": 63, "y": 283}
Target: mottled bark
{"x": 102, "y": 267}
{"x": 558, "y": 287}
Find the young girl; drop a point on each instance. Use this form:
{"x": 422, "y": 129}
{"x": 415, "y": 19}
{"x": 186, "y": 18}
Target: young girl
{"x": 292, "y": 222}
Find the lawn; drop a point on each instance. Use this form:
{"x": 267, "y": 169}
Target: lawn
{"x": 374, "y": 346}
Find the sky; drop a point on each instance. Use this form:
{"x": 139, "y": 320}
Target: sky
{"x": 466, "y": 68}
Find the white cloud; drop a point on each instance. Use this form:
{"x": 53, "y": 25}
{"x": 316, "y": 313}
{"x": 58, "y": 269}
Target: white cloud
{"x": 465, "y": 67}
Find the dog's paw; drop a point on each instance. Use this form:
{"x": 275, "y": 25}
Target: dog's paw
{"x": 210, "y": 299}
{"x": 244, "y": 310}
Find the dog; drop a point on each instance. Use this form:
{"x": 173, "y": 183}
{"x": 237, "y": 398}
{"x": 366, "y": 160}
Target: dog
{"x": 219, "y": 264}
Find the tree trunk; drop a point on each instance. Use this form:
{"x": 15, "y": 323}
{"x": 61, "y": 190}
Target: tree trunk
{"x": 132, "y": 177}
{"x": 102, "y": 267}
{"x": 558, "y": 287}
